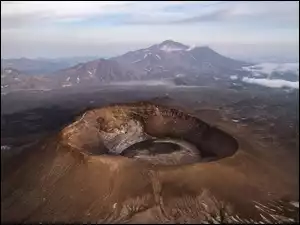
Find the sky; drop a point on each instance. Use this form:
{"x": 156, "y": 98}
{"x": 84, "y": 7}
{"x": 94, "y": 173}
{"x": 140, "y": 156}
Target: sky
{"x": 254, "y": 30}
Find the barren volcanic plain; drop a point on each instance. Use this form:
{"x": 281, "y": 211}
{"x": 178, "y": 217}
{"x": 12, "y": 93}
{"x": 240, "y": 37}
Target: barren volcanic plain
{"x": 150, "y": 155}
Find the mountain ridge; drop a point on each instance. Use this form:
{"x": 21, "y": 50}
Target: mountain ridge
{"x": 166, "y": 60}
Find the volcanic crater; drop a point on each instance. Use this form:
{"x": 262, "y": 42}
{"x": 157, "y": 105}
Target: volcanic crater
{"x": 148, "y": 132}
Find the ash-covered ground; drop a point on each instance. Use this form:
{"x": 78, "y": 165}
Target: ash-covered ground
{"x": 44, "y": 181}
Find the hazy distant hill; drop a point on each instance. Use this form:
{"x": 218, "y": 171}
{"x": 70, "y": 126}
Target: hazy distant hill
{"x": 42, "y": 66}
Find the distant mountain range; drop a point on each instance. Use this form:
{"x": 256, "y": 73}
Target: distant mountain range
{"x": 166, "y": 60}
{"x": 169, "y": 60}
{"x": 42, "y": 66}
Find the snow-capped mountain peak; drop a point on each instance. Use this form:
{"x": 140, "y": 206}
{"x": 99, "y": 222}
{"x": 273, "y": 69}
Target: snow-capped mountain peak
{"x": 191, "y": 47}
{"x": 170, "y": 46}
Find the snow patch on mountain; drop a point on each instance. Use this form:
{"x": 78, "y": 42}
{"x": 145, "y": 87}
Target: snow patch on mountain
{"x": 148, "y": 69}
{"x": 147, "y": 54}
{"x": 91, "y": 74}
{"x": 191, "y": 48}
{"x": 296, "y": 204}
{"x": 169, "y": 48}
{"x": 66, "y": 85}
{"x": 5, "y": 147}
{"x": 139, "y": 60}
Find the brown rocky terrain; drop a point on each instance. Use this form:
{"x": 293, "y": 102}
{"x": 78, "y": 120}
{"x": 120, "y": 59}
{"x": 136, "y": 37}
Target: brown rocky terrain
{"x": 51, "y": 181}
{"x": 115, "y": 128}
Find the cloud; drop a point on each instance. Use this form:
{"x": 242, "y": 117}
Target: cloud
{"x": 19, "y": 14}
{"x": 211, "y": 16}
{"x": 274, "y": 83}
{"x": 79, "y": 27}
{"x": 237, "y": 11}
{"x": 269, "y": 68}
